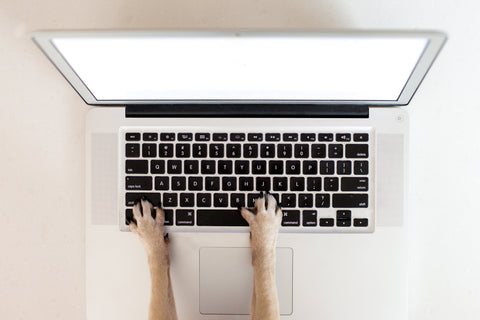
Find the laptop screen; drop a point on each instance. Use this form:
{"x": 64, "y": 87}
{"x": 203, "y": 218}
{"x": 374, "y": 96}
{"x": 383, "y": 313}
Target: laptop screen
{"x": 237, "y": 67}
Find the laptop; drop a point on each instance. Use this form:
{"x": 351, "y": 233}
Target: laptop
{"x": 201, "y": 122}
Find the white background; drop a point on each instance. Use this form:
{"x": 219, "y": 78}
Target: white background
{"x": 42, "y": 143}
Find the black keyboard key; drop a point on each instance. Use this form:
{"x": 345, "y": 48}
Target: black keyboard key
{"x": 275, "y": 167}
{"x": 280, "y": 184}
{"x": 132, "y": 136}
{"x": 309, "y": 218}
{"x": 225, "y": 166}
{"x": 335, "y": 151}
{"x": 322, "y": 200}
{"x": 187, "y": 200}
{"x": 297, "y": 184}
{"x": 182, "y": 150}
{"x": 307, "y": 137}
{"x": 217, "y": 150}
{"x": 149, "y": 150}
{"x": 242, "y": 167}
{"x": 220, "y": 200}
{"x": 234, "y": 150}
{"x": 284, "y": 150}
{"x": 289, "y": 200}
{"x": 207, "y": 166}
{"x": 354, "y": 184}
{"x": 132, "y": 150}
{"x": 157, "y": 166}
{"x": 168, "y": 217}
{"x": 330, "y": 184}
{"x": 131, "y": 197}
{"x": 129, "y": 216}
{"x": 229, "y": 183}
{"x": 259, "y": 167}
{"x": 314, "y": 184}
{"x": 267, "y": 150}
{"x": 350, "y": 200}
{"x": 185, "y": 217}
{"x": 138, "y": 183}
{"x": 162, "y": 183}
{"x": 325, "y": 137}
{"x": 237, "y": 200}
{"x": 344, "y": 167}
{"x": 272, "y": 136}
{"x": 343, "y": 137}
{"x": 202, "y": 136}
{"x": 174, "y": 166}
{"x": 204, "y": 200}
{"x": 360, "y": 167}
{"x": 220, "y": 137}
{"x": 344, "y": 214}
{"x": 220, "y": 217}
{"x": 302, "y": 151}
{"x": 344, "y": 223}
{"x": 263, "y": 184}
{"x": 212, "y": 183}
{"x": 310, "y": 167}
{"x": 195, "y": 183}
{"x": 319, "y": 150}
{"x": 185, "y": 136}
{"x": 179, "y": 183}
{"x": 290, "y": 218}
{"x": 199, "y": 150}
{"x": 167, "y": 136}
{"x": 290, "y": 137}
{"x": 292, "y": 167}
{"x": 136, "y": 166}
{"x": 360, "y": 137}
{"x": 150, "y": 136}
{"x": 170, "y": 200}
{"x": 251, "y": 197}
{"x": 327, "y": 167}
{"x": 327, "y": 222}
{"x": 360, "y": 222}
{"x": 250, "y": 150}
{"x": 237, "y": 136}
{"x": 356, "y": 151}
{"x": 255, "y": 137}
{"x": 305, "y": 200}
{"x": 190, "y": 166}
{"x": 165, "y": 150}
{"x": 245, "y": 184}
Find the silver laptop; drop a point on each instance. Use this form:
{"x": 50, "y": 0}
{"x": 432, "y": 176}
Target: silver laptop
{"x": 202, "y": 122}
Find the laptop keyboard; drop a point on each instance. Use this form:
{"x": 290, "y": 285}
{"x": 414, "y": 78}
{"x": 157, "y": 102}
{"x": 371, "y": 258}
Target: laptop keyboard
{"x": 321, "y": 179}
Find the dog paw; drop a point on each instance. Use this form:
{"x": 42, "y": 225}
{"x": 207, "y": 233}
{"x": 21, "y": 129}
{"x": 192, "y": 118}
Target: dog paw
{"x": 264, "y": 220}
{"x": 149, "y": 226}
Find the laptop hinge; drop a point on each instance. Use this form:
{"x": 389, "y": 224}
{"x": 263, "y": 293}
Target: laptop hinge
{"x": 246, "y": 110}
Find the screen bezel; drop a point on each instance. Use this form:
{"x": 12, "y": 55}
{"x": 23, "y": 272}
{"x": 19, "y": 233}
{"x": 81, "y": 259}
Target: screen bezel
{"x": 434, "y": 44}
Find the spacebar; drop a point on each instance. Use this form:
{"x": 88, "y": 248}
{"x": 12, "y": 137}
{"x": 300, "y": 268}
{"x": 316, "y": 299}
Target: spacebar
{"x": 227, "y": 218}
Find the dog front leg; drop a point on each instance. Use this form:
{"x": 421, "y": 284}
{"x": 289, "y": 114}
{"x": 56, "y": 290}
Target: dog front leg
{"x": 151, "y": 232}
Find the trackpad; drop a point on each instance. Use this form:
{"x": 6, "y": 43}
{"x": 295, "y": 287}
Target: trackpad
{"x": 226, "y": 280}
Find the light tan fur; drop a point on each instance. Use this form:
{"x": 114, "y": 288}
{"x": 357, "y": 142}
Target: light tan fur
{"x": 264, "y": 220}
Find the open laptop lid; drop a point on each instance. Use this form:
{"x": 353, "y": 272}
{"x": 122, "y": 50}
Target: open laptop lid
{"x": 228, "y": 67}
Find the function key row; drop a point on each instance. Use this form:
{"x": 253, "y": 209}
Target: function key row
{"x": 186, "y": 136}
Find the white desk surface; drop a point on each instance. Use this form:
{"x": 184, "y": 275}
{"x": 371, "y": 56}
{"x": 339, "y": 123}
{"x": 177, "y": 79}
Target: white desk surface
{"x": 42, "y": 143}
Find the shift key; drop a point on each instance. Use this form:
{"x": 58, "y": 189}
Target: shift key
{"x": 138, "y": 183}
{"x": 350, "y": 200}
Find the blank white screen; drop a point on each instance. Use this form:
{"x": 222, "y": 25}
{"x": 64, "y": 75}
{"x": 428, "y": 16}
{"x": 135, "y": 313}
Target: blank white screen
{"x": 253, "y": 67}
